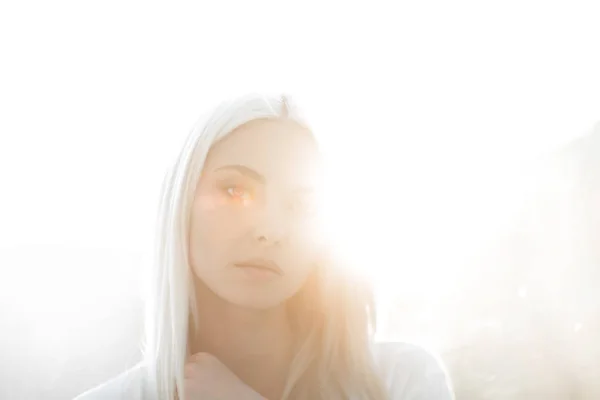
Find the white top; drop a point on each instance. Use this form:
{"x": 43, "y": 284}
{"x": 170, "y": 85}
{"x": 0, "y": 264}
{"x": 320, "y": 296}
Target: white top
{"x": 408, "y": 372}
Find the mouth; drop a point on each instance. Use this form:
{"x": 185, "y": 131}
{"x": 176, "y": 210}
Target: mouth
{"x": 260, "y": 264}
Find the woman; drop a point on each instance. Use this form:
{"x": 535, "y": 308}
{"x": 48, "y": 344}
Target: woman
{"x": 245, "y": 302}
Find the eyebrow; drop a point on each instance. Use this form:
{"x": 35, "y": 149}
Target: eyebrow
{"x": 249, "y": 172}
{"x": 305, "y": 190}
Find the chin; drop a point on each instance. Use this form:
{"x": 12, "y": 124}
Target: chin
{"x": 262, "y": 299}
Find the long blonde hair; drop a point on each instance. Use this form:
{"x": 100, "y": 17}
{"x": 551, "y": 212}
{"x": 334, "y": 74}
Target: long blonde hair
{"x": 334, "y": 312}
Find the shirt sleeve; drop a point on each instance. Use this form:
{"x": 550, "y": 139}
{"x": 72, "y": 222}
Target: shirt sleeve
{"x": 126, "y": 386}
{"x": 418, "y": 375}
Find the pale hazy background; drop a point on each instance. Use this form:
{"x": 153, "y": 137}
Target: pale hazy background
{"x": 430, "y": 109}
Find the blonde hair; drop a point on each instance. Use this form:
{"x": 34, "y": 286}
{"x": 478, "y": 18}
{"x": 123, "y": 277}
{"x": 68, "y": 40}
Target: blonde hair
{"x": 334, "y": 312}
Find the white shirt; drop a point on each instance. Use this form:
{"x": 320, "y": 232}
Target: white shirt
{"x": 408, "y": 373}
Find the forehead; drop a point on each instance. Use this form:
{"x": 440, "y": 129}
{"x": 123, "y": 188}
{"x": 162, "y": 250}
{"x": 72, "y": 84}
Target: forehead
{"x": 277, "y": 149}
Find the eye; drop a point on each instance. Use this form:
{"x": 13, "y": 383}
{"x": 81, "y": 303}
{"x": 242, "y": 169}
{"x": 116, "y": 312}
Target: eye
{"x": 239, "y": 194}
{"x": 304, "y": 207}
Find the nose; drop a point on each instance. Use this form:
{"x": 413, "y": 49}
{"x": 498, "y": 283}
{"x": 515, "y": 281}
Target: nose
{"x": 270, "y": 228}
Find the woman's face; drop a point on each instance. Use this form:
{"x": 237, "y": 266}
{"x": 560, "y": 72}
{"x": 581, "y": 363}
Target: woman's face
{"x": 253, "y": 222}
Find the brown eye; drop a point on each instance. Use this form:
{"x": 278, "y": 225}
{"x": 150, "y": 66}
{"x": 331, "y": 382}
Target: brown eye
{"x": 239, "y": 194}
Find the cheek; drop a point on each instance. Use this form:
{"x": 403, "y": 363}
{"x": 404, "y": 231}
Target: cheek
{"x": 213, "y": 232}
{"x": 309, "y": 240}
{"x": 306, "y": 252}
{"x": 218, "y": 219}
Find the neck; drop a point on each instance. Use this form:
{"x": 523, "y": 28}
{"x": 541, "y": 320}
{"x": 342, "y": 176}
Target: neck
{"x": 242, "y": 338}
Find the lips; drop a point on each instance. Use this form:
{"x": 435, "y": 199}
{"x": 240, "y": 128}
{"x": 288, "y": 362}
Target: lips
{"x": 261, "y": 264}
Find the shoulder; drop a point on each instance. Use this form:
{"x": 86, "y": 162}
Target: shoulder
{"x": 410, "y": 372}
{"x": 128, "y": 385}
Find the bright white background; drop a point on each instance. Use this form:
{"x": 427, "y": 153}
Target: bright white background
{"x": 428, "y": 108}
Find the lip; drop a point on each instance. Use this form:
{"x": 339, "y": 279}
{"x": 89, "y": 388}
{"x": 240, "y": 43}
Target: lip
{"x": 260, "y": 263}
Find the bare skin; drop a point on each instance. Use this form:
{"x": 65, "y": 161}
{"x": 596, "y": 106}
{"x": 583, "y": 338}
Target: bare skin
{"x": 254, "y": 200}
{"x": 243, "y": 340}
